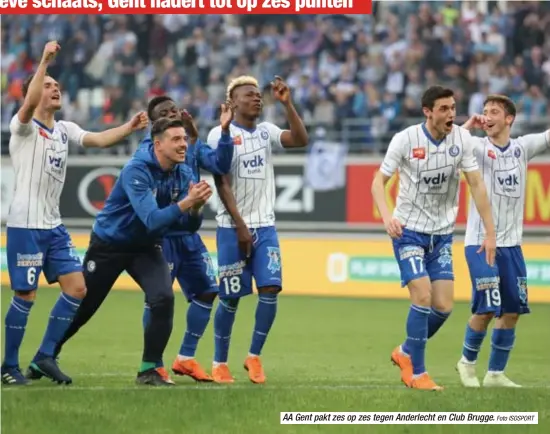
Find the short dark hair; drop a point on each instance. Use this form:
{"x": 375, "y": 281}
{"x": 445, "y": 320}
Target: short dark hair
{"x": 433, "y": 93}
{"x": 163, "y": 124}
{"x": 155, "y": 102}
{"x": 27, "y": 83}
{"x": 502, "y": 100}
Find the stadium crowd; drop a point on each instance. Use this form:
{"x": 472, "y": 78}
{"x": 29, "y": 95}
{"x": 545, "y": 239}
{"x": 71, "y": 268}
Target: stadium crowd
{"x": 359, "y": 77}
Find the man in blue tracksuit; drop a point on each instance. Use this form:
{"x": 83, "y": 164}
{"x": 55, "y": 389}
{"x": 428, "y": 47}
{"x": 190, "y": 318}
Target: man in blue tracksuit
{"x": 153, "y": 193}
{"x": 184, "y": 250}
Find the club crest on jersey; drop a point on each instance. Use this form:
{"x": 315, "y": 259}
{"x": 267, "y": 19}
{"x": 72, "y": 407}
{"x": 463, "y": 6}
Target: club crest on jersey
{"x": 274, "y": 255}
{"x": 491, "y": 154}
{"x": 419, "y": 153}
{"x": 454, "y": 151}
{"x": 238, "y": 140}
{"x": 209, "y": 266}
{"x": 517, "y": 152}
{"x": 522, "y": 289}
{"x": 91, "y": 266}
{"x": 445, "y": 255}
{"x": 264, "y": 135}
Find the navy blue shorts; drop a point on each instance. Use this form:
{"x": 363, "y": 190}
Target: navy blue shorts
{"x": 499, "y": 289}
{"x": 236, "y": 272}
{"x": 420, "y": 255}
{"x": 31, "y": 251}
{"x": 191, "y": 264}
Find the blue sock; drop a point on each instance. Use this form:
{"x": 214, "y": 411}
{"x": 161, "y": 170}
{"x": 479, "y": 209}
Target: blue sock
{"x": 502, "y": 342}
{"x": 265, "y": 316}
{"x": 223, "y": 325}
{"x": 472, "y": 343}
{"x": 417, "y": 335}
{"x": 198, "y": 316}
{"x": 146, "y": 319}
{"x": 16, "y": 322}
{"x": 436, "y": 320}
{"x": 61, "y": 317}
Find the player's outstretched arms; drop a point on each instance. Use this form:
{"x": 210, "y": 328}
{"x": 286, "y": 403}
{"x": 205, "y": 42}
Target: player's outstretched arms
{"x": 535, "y": 144}
{"x": 218, "y": 161}
{"x": 297, "y": 136}
{"x": 138, "y": 186}
{"x": 394, "y": 228}
{"x": 108, "y": 138}
{"x": 223, "y": 186}
{"x": 36, "y": 86}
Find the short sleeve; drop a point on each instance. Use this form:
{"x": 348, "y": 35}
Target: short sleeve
{"x": 18, "y": 128}
{"x": 275, "y": 134}
{"x": 468, "y": 162}
{"x": 535, "y": 144}
{"x": 75, "y": 134}
{"x": 394, "y": 155}
{"x": 214, "y": 137}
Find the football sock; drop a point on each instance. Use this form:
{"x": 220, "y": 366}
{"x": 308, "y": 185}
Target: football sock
{"x": 198, "y": 316}
{"x": 436, "y": 320}
{"x": 265, "y": 316}
{"x": 159, "y": 329}
{"x": 417, "y": 335}
{"x": 472, "y": 343}
{"x": 145, "y": 366}
{"x": 502, "y": 342}
{"x": 146, "y": 319}
{"x": 61, "y": 317}
{"x": 223, "y": 325}
{"x": 15, "y": 324}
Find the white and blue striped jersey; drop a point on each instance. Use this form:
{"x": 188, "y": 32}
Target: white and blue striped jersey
{"x": 39, "y": 158}
{"x": 252, "y": 175}
{"x": 429, "y": 177}
{"x": 504, "y": 172}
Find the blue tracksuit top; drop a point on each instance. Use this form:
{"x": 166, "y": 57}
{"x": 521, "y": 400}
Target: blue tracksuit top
{"x": 142, "y": 205}
{"x": 199, "y": 156}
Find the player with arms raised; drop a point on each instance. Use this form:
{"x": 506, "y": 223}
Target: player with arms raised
{"x": 36, "y": 238}
{"x": 499, "y": 291}
{"x": 429, "y": 157}
{"x": 247, "y": 242}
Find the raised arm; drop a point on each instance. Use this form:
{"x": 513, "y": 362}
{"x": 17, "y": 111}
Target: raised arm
{"x": 36, "y": 86}
{"x": 111, "y": 137}
{"x": 297, "y": 136}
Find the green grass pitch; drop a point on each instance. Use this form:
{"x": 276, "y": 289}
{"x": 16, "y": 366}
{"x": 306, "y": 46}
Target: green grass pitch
{"x": 323, "y": 355}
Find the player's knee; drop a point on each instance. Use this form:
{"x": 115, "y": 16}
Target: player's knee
{"x": 269, "y": 290}
{"x": 508, "y": 320}
{"x": 445, "y": 306}
{"x": 162, "y": 302}
{"x": 78, "y": 291}
{"x": 26, "y": 295}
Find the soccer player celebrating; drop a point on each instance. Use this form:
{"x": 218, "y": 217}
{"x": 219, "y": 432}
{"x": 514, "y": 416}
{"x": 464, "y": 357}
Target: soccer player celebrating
{"x": 127, "y": 236}
{"x": 36, "y": 238}
{"x": 428, "y": 157}
{"x": 247, "y": 242}
{"x": 184, "y": 250}
{"x": 499, "y": 291}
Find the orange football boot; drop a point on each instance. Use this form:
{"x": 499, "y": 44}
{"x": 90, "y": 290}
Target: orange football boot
{"x": 191, "y": 368}
{"x": 221, "y": 374}
{"x": 164, "y": 374}
{"x": 253, "y": 365}
{"x": 424, "y": 382}
{"x": 403, "y": 362}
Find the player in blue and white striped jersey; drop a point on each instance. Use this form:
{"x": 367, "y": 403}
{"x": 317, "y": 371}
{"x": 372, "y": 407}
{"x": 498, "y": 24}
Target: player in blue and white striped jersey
{"x": 429, "y": 158}
{"x": 499, "y": 291}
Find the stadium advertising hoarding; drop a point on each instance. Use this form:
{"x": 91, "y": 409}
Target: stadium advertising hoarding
{"x": 345, "y": 267}
{"x": 297, "y": 206}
